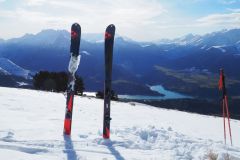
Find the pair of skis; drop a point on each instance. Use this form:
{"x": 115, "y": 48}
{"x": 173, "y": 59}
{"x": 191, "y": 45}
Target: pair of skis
{"x": 72, "y": 68}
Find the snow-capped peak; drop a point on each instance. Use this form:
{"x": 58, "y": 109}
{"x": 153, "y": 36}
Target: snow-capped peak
{"x": 188, "y": 39}
{"x": 220, "y": 38}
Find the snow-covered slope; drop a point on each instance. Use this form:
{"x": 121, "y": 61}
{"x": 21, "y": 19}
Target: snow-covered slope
{"x": 32, "y": 124}
{"x": 10, "y": 68}
{"x": 3, "y": 72}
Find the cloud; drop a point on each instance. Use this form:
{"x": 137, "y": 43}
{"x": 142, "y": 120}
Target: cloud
{"x": 22, "y": 14}
{"x": 229, "y": 2}
{"x": 35, "y": 2}
{"x": 231, "y": 19}
{"x": 129, "y": 16}
{"x": 141, "y": 20}
{"x": 235, "y": 10}
{"x": 91, "y": 12}
{"x": 120, "y": 11}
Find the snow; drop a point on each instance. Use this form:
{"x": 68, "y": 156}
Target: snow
{"x": 99, "y": 41}
{"x": 22, "y": 84}
{"x": 32, "y": 125}
{"x": 90, "y": 94}
{"x": 218, "y": 47}
{"x": 86, "y": 53}
{"x": 146, "y": 45}
{"x": 203, "y": 47}
{"x": 238, "y": 45}
{"x": 12, "y": 68}
{"x": 4, "y": 71}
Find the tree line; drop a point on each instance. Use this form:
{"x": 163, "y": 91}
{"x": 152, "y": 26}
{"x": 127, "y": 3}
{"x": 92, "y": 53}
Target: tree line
{"x": 56, "y": 82}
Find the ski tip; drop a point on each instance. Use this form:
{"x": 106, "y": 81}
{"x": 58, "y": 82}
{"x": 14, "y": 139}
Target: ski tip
{"x": 76, "y": 27}
{"x": 111, "y": 26}
{"x": 110, "y": 31}
{"x": 75, "y": 24}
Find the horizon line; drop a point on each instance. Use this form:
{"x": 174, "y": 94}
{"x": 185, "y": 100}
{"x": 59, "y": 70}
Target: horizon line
{"x": 118, "y": 35}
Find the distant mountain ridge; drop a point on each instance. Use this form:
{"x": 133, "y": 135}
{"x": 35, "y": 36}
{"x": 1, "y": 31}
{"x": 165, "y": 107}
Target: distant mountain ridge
{"x": 134, "y": 62}
{"x": 223, "y": 37}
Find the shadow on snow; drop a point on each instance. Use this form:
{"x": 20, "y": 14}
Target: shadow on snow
{"x": 69, "y": 149}
{"x": 113, "y": 150}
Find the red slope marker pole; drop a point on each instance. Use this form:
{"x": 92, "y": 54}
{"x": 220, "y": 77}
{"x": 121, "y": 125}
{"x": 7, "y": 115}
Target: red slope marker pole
{"x": 223, "y": 107}
{"x": 228, "y": 117}
{"x": 222, "y": 87}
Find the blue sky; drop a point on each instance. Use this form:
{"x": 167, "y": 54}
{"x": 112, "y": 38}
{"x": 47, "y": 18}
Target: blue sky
{"x": 143, "y": 20}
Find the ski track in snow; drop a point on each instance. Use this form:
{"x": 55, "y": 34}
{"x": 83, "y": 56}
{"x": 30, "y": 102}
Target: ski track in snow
{"x": 32, "y": 125}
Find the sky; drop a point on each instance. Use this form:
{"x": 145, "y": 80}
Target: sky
{"x": 142, "y": 20}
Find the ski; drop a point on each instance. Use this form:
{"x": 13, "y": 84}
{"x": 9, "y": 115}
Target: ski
{"x": 72, "y": 68}
{"x": 109, "y": 41}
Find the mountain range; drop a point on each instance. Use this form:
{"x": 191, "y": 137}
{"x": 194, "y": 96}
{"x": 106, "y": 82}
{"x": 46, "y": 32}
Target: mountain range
{"x": 189, "y": 64}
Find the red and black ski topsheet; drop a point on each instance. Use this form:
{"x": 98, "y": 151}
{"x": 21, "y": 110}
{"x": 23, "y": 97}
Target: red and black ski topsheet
{"x": 74, "y": 51}
{"x": 109, "y": 41}
{"x": 68, "y": 114}
{"x": 75, "y": 39}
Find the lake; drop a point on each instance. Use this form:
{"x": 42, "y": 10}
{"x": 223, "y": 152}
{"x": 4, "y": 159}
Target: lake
{"x": 160, "y": 89}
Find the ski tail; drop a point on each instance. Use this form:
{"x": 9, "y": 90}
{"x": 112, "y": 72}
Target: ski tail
{"x": 109, "y": 42}
{"x": 106, "y": 135}
{"x": 72, "y": 68}
{"x": 68, "y": 114}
